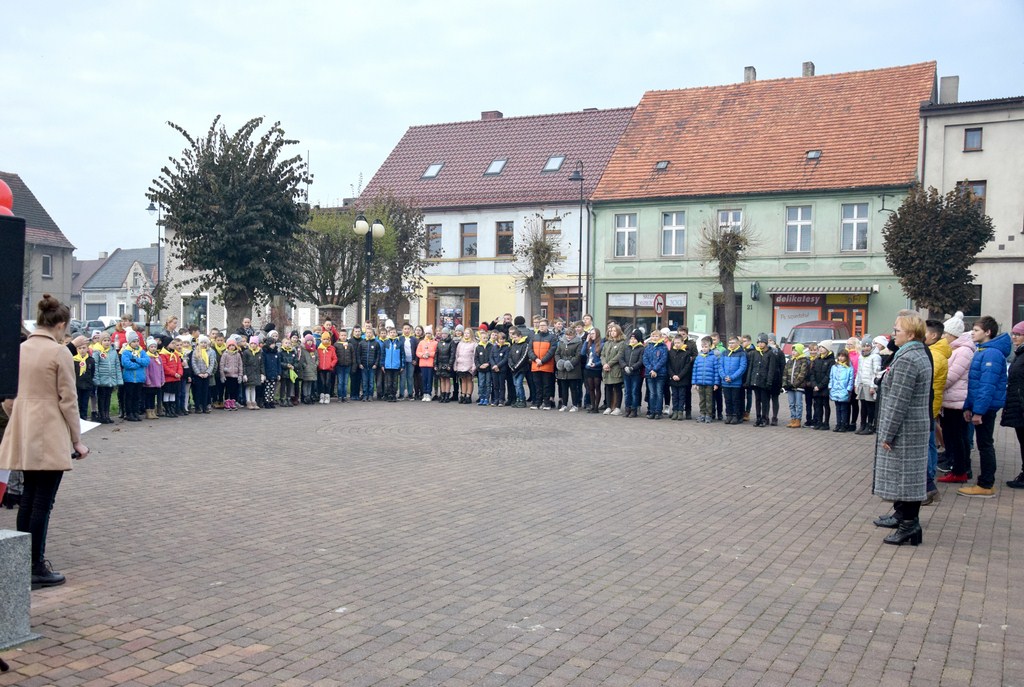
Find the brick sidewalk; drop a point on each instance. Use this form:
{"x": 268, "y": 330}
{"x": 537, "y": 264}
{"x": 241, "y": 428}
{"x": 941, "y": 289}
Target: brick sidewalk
{"x": 419, "y": 544}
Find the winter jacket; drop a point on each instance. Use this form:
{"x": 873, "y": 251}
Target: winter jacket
{"x": 1013, "y": 411}
{"x": 482, "y": 357}
{"x": 821, "y": 371}
{"x": 870, "y": 367}
{"x": 519, "y": 355}
{"x": 444, "y": 357}
{"x": 568, "y": 364}
{"x": 591, "y": 355}
{"x": 271, "y": 362}
{"x": 795, "y": 374}
{"x": 498, "y": 357}
{"x": 705, "y": 370}
{"x": 289, "y": 361}
{"x": 542, "y": 352}
{"x": 174, "y": 369}
{"x": 408, "y": 356}
{"x": 252, "y": 366}
{"x": 345, "y": 352}
{"x": 465, "y": 353}
{"x": 655, "y": 359}
{"x": 940, "y": 351}
{"x": 231, "y": 366}
{"x": 732, "y": 367}
{"x": 425, "y": 351}
{"x": 326, "y": 358}
{"x": 904, "y": 424}
{"x": 611, "y": 356}
{"x": 680, "y": 364}
{"x": 85, "y": 372}
{"x": 209, "y": 367}
{"x": 156, "y": 376}
{"x": 840, "y": 384}
{"x": 633, "y": 360}
{"x": 986, "y": 382}
{"x": 134, "y": 364}
{"x": 763, "y": 368}
{"x": 958, "y": 366}
{"x": 392, "y": 356}
{"x": 307, "y": 364}
{"x": 108, "y": 367}
{"x": 368, "y": 353}
{"x": 749, "y": 352}
{"x": 780, "y": 366}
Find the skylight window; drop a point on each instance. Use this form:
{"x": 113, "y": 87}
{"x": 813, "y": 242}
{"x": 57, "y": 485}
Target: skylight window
{"x": 495, "y": 167}
{"x": 554, "y": 163}
{"x": 433, "y": 170}
{"x": 813, "y": 154}
{"x": 662, "y": 165}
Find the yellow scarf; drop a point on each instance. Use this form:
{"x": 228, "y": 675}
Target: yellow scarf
{"x": 170, "y": 354}
{"x": 220, "y": 348}
{"x": 204, "y": 355}
{"x": 80, "y": 358}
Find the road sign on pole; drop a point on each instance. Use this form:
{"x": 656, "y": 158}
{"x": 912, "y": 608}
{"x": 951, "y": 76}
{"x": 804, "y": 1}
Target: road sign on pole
{"x": 659, "y": 304}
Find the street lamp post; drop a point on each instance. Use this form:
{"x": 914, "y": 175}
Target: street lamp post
{"x": 577, "y": 175}
{"x": 376, "y": 231}
{"x": 157, "y": 210}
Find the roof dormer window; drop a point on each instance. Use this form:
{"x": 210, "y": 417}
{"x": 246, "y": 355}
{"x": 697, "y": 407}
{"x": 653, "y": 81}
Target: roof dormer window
{"x": 554, "y": 163}
{"x": 494, "y": 169}
{"x": 661, "y": 165}
{"x": 433, "y": 170}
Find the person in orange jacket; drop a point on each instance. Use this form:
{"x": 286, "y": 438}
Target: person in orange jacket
{"x": 542, "y": 357}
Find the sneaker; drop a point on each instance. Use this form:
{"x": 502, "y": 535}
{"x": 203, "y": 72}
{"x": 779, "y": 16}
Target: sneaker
{"x": 1017, "y": 483}
{"x": 617, "y": 411}
{"x": 563, "y": 409}
{"x": 545, "y": 407}
{"x": 43, "y": 575}
{"x": 977, "y": 492}
{"x": 426, "y": 398}
{"x": 952, "y": 477}
{"x": 944, "y": 467}
{"x": 572, "y": 409}
{"x": 607, "y": 411}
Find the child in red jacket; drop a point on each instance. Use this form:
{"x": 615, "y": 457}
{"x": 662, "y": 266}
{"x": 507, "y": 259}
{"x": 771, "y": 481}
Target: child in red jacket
{"x": 326, "y": 359}
{"x": 170, "y": 360}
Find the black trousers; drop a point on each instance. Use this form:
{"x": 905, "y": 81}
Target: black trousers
{"x": 132, "y": 398}
{"x": 954, "y": 433}
{"x": 34, "y": 510}
{"x": 544, "y": 388}
{"x": 907, "y": 510}
{"x": 762, "y": 403}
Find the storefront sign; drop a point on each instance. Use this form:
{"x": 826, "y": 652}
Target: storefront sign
{"x": 645, "y": 300}
{"x": 846, "y": 299}
{"x": 787, "y": 318}
{"x": 797, "y": 299}
{"x": 676, "y": 300}
{"x": 620, "y": 300}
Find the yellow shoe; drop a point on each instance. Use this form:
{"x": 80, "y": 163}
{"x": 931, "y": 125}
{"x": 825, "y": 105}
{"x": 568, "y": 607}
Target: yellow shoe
{"x": 977, "y": 492}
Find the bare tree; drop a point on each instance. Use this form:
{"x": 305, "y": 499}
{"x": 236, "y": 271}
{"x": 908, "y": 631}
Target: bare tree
{"x": 536, "y": 259}
{"x": 724, "y": 245}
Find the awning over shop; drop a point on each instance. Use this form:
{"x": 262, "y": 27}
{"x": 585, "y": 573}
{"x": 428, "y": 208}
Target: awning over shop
{"x": 819, "y": 289}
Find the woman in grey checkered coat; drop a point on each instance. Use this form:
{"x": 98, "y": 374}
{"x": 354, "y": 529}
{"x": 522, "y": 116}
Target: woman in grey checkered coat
{"x": 904, "y": 426}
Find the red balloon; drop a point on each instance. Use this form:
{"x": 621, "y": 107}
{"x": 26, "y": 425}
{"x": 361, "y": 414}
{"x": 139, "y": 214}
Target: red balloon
{"x": 6, "y": 197}
{"x": 6, "y": 211}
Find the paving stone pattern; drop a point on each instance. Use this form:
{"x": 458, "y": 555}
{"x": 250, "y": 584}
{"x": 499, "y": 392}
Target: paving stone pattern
{"x": 420, "y": 544}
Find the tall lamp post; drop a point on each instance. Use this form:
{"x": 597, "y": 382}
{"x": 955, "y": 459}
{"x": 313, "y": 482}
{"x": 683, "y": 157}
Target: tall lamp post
{"x": 157, "y": 210}
{"x": 363, "y": 228}
{"x": 577, "y": 175}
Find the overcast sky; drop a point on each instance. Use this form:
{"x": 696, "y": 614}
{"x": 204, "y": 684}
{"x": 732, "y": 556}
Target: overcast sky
{"x": 88, "y": 87}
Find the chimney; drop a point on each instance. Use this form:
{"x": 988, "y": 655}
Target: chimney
{"x": 103, "y": 255}
{"x": 949, "y": 89}
{"x": 749, "y": 74}
{"x": 808, "y": 69}
{"x": 491, "y": 114}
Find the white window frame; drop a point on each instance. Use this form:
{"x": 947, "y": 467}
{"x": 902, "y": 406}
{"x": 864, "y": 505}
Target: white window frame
{"x": 496, "y": 167}
{"x": 674, "y": 231}
{"x": 628, "y": 226}
{"x": 554, "y": 163}
{"x": 46, "y": 266}
{"x": 850, "y": 225}
{"x": 730, "y": 219}
{"x": 432, "y": 170}
{"x": 802, "y": 226}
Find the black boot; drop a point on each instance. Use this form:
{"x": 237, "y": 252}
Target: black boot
{"x": 889, "y": 520}
{"x": 45, "y": 576}
{"x": 909, "y": 531}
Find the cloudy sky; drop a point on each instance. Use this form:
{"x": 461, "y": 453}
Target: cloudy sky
{"x": 88, "y": 87}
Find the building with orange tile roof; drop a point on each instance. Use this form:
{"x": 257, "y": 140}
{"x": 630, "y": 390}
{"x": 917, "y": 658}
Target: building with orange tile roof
{"x": 812, "y": 164}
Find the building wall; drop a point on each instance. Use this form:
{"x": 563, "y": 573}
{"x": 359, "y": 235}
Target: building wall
{"x": 1000, "y": 266}
{"x": 57, "y": 285}
{"x": 692, "y": 282}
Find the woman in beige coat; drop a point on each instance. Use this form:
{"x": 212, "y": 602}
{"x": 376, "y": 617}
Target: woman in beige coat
{"x": 43, "y": 429}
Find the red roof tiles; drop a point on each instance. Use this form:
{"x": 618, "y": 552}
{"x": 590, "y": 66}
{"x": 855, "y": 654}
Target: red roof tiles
{"x": 754, "y": 137}
{"x": 468, "y": 148}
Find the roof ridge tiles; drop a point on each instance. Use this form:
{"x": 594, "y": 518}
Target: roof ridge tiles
{"x": 515, "y": 118}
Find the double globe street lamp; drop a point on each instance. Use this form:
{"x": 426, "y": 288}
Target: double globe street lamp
{"x": 577, "y": 176}
{"x": 376, "y": 231}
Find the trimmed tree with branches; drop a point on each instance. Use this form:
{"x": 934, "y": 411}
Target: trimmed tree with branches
{"x": 329, "y": 259}
{"x": 931, "y": 243}
{"x": 400, "y": 257}
{"x": 535, "y": 260}
{"x": 724, "y": 246}
{"x": 235, "y": 207}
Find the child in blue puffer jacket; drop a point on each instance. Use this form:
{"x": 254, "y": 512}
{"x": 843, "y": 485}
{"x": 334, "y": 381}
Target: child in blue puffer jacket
{"x": 840, "y": 389}
{"x": 706, "y": 379}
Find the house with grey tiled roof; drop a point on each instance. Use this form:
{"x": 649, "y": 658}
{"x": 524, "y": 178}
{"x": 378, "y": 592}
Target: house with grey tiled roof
{"x": 112, "y": 290}
{"x": 48, "y": 253}
{"x": 81, "y": 272}
{"x": 483, "y": 185}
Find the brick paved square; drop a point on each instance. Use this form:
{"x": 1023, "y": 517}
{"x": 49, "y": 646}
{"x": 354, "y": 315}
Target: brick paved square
{"x": 420, "y": 544}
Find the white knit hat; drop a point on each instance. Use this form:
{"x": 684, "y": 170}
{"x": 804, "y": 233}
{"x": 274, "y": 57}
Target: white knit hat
{"x": 954, "y": 326}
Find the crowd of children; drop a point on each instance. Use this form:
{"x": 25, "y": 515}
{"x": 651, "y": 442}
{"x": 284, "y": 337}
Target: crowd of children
{"x": 570, "y": 368}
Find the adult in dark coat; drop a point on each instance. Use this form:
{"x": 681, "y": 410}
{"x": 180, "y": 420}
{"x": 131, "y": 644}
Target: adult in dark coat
{"x": 1013, "y": 411}
{"x": 903, "y": 430}
{"x": 762, "y": 374}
